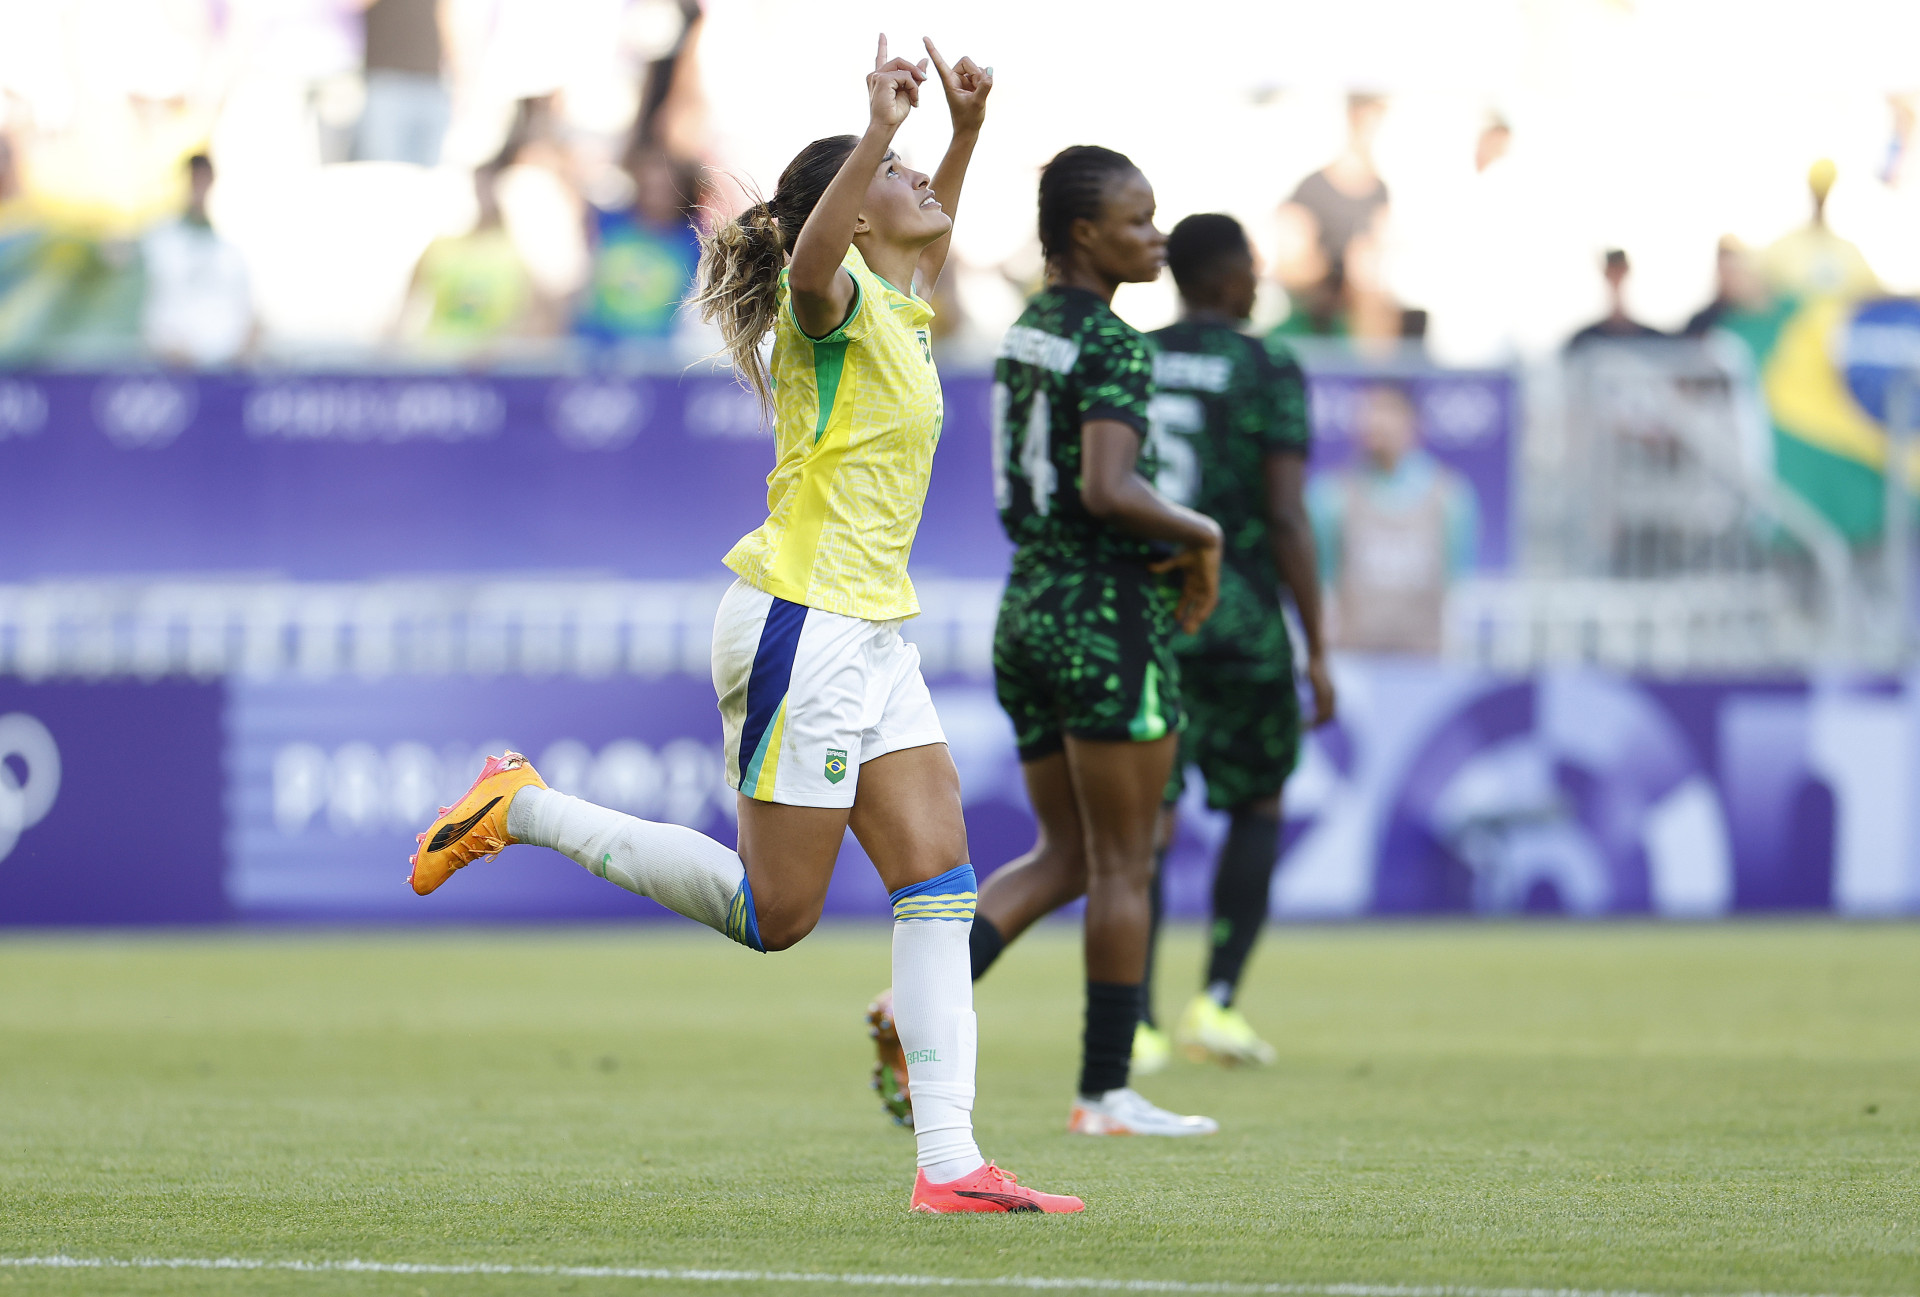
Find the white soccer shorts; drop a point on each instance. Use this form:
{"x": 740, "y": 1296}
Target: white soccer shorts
{"x": 806, "y": 696}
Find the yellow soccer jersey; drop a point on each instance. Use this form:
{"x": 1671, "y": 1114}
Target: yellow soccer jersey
{"x": 856, "y": 417}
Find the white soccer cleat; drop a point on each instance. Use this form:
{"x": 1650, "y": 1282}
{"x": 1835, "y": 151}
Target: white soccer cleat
{"x": 1123, "y": 1112}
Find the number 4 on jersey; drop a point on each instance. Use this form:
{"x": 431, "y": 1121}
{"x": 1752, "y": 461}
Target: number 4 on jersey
{"x": 1034, "y": 455}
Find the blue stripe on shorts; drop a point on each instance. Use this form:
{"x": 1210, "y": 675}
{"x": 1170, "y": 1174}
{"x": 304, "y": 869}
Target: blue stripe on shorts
{"x": 767, "y": 686}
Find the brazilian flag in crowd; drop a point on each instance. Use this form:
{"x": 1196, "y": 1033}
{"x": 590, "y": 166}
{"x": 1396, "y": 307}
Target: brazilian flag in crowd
{"x": 1827, "y": 369}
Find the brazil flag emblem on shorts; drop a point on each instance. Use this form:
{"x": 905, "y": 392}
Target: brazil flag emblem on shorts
{"x": 836, "y": 765}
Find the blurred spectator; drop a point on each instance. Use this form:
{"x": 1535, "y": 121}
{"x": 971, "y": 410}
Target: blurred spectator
{"x": 1332, "y": 237}
{"x": 1393, "y": 532}
{"x": 20, "y": 231}
{"x": 1496, "y": 138}
{"x": 199, "y": 302}
{"x": 643, "y": 255}
{"x": 63, "y": 292}
{"x": 1318, "y": 308}
{"x": 1374, "y": 314}
{"x": 473, "y": 289}
{"x": 1343, "y": 200}
{"x": 1813, "y": 261}
{"x": 408, "y": 107}
{"x": 1738, "y": 290}
{"x": 1616, "y": 324}
{"x": 23, "y": 260}
{"x": 1899, "y": 167}
{"x": 540, "y": 200}
{"x": 670, "y": 115}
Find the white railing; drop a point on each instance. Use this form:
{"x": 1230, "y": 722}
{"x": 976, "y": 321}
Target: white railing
{"x": 1656, "y": 536}
{"x": 582, "y": 628}
{"x": 506, "y": 626}
{"x": 1680, "y": 626}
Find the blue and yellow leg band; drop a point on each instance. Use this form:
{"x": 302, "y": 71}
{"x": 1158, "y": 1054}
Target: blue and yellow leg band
{"x": 743, "y": 925}
{"x": 950, "y": 896}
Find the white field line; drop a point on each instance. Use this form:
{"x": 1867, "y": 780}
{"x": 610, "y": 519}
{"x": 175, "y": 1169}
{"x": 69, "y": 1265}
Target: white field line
{"x": 1023, "y": 1282}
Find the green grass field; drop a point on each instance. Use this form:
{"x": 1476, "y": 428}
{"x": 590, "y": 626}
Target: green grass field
{"x": 1681, "y": 1109}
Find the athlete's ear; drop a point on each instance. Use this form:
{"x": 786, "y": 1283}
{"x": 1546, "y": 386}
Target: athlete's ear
{"x": 1083, "y": 232}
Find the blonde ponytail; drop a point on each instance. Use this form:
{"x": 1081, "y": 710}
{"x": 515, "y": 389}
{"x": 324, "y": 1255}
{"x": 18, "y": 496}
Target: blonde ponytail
{"x": 740, "y": 265}
{"x": 741, "y": 260}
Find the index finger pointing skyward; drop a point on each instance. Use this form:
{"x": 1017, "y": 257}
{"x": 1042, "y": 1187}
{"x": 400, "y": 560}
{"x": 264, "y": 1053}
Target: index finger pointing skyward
{"x": 946, "y": 73}
{"x": 880, "y": 59}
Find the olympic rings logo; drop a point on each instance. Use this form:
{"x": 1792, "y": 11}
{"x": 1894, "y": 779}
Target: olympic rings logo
{"x": 29, "y": 776}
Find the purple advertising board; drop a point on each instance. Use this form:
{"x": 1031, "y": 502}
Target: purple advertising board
{"x": 111, "y": 803}
{"x": 339, "y": 477}
{"x": 1441, "y": 790}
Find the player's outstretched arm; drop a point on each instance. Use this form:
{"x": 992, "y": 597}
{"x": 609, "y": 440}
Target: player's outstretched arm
{"x": 822, "y": 289}
{"x": 967, "y": 85}
{"x": 1298, "y": 566}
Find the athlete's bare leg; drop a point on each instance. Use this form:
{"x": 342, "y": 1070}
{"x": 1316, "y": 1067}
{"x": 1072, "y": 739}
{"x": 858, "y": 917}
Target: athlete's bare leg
{"x": 906, "y": 814}
{"x": 1054, "y": 872}
{"x": 1118, "y": 787}
{"x": 789, "y": 852}
{"x": 1097, "y": 804}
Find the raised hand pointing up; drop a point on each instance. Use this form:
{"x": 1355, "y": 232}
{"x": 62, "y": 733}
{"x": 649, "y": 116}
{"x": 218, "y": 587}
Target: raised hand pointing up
{"x": 967, "y": 85}
{"x": 893, "y": 87}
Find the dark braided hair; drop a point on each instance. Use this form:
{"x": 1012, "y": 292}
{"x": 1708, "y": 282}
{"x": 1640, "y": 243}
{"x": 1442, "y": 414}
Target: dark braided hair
{"x": 1200, "y": 245}
{"x": 1073, "y": 187}
{"x": 741, "y": 261}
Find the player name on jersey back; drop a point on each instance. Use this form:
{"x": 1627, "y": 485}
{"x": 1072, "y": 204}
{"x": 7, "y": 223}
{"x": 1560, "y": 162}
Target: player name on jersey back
{"x": 1030, "y": 346}
{"x": 1192, "y": 371}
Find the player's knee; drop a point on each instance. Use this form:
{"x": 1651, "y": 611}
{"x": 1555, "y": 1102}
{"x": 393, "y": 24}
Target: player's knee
{"x": 1064, "y": 867}
{"x": 784, "y": 932}
{"x": 782, "y": 926}
{"x": 1064, "y": 855}
{"x": 1121, "y": 866}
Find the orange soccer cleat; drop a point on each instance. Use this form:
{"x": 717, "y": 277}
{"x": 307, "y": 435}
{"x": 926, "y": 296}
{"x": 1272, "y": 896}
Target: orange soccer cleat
{"x": 988, "y": 1189}
{"x": 473, "y": 828}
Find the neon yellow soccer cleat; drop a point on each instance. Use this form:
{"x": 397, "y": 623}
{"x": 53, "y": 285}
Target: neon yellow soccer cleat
{"x": 1209, "y": 1033}
{"x": 1152, "y": 1050}
{"x": 473, "y": 828}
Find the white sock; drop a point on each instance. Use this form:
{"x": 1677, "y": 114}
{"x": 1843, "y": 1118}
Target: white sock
{"x": 685, "y": 871}
{"x": 933, "y": 1012}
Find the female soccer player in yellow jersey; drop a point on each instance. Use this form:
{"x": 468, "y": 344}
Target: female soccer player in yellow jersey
{"x": 828, "y": 722}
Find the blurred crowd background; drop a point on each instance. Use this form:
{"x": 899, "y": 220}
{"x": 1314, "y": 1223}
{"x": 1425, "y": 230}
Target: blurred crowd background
{"x": 221, "y": 182}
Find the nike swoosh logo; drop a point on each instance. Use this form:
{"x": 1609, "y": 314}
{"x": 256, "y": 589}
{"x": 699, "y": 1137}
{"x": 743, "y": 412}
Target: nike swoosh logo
{"x": 1007, "y": 1201}
{"x": 452, "y": 833}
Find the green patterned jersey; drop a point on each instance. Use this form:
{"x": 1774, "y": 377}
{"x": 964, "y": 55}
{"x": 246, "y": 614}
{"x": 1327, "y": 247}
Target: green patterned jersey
{"x": 1222, "y": 403}
{"x": 1068, "y": 359}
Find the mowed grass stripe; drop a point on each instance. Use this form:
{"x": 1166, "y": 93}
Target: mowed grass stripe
{"x": 847, "y": 1280}
{"x": 1562, "y": 1107}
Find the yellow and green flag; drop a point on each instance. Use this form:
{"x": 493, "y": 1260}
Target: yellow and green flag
{"x": 1827, "y": 369}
